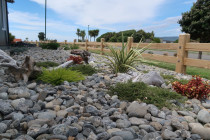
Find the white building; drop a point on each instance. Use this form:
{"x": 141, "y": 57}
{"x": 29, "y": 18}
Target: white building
{"x": 4, "y": 26}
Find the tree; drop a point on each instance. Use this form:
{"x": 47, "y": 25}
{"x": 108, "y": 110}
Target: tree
{"x": 93, "y": 33}
{"x": 27, "y": 39}
{"x": 78, "y": 33}
{"x": 11, "y": 37}
{"x": 196, "y": 22}
{"x": 82, "y": 34}
{"x": 41, "y": 36}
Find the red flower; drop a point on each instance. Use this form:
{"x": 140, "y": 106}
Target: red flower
{"x": 196, "y": 88}
{"x": 76, "y": 59}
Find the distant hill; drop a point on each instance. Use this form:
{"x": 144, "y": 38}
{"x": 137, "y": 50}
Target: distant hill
{"x": 169, "y": 38}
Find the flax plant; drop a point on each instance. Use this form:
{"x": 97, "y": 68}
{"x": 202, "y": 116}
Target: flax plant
{"x": 123, "y": 60}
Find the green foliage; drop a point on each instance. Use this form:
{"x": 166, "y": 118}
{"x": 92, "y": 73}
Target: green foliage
{"x": 93, "y": 33}
{"x": 58, "y": 76}
{"x": 176, "y": 41}
{"x": 41, "y": 36}
{"x": 78, "y": 33}
{"x": 196, "y": 22}
{"x": 51, "y": 46}
{"x": 156, "y": 40}
{"x": 123, "y": 60}
{"x": 46, "y": 64}
{"x": 137, "y": 35}
{"x": 82, "y": 34}
{"x": 140, "y": 91}
{"x": 172, "y": 79}
{"x": 17, "y": 51}
{"x": 74, "y": 46}
{"x": 84, "y": 69}
{"x": 11, "y": 37}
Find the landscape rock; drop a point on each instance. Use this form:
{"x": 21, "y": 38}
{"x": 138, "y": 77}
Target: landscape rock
{"x": 136, "y": 110}
{"x": 5, "y": 107}
{"x": 153, "y": 78}
{"x": 197, "y": 128}
{"x": 204, "y": 116}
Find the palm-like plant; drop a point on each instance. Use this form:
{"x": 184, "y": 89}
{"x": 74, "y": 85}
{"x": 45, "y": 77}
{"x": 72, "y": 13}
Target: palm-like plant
{"x": 123, "y": 60}
{"x": 82, "y": 33}
{"x": 78, "y": 33}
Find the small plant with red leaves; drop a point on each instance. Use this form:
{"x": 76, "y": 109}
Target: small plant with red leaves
{"x": 76, "y": 59}
{"x": 195, "y": 88}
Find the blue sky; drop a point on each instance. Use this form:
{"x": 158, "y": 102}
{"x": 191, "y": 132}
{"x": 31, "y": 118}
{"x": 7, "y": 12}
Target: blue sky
{"x": 26, "y": 17}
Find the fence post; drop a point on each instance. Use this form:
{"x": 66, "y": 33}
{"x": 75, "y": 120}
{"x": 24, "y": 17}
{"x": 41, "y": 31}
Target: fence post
{"x": 65, "y": 42}
{"x": 86, "y": 45}
{"x": 182, "y": 53}
{"x": 37, "y": 43}
{"x": 75, "y": 41}
{"x": 102, "y": 46}
{"x": 130, "y": 42}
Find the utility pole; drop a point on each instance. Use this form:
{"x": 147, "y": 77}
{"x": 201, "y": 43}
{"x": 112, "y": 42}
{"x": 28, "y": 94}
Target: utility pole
{"x": 45, "y": 20}
{"x": 88, "y": 32}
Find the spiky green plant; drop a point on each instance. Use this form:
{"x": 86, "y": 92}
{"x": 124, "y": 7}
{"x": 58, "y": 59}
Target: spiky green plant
{"x": 57, "y": 76}
{"x": 123, "y": 60}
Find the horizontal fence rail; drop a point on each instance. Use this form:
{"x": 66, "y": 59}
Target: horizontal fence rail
{"x": 181, "y": 48}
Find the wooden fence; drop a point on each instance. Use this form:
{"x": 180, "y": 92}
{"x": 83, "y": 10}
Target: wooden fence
{"x": 182, "y": 48}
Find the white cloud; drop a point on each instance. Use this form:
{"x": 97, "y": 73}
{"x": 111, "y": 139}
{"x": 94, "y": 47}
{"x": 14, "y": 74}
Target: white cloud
{"x": 25, "y": 24}
{"x": 100, "y": 13}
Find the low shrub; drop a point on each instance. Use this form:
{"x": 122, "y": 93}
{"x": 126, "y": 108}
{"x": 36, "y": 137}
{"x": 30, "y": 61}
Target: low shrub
{"x": 165, "y": 54}
{"x": 152, "y": 95}
{"x": 17, "y": 51}
{"x": 76, "y": 59}
{"x": 84, "y": 69}
{"x": 195, "y": 88}
{"x": 150, "y": 52}
{"x": 74, "y": 46}
{"x": 58, "y": 76}
{"x": 51, "y": 46}
{"x": 172, "y": 79}
{"x": 46, "y": 64}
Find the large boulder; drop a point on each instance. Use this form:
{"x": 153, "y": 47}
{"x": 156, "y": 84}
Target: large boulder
{"x": 197, "y": 128}
{"x": 136, "y": 110}
{"x": 204, "y": 116}
{"x": 152, "y": 78}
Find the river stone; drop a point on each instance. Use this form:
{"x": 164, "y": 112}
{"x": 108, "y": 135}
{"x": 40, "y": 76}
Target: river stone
{"x": 91, "y": 109}
{"x": 3, "y": 127}
{"x": 197, "y": 128}
{"x": 153, "y": 78}
{"x": 136, "y": 110}
{"x": 203, "y": 116}
{"x": 116, "y": 138}
{"x": 152, "y": 136}
{"x": 18, "y": 92}
{"x": 167, "y": 134}
{"x": 46, "y": 115}
{"x": 5, "y": 107}
{"x": 62, "y": 113}
{"x": 123, "y": 123}
{"x": 206, "y": 105}
{"x": 4, "y": 96}
{"x": 126, "y": 135}
{"x": 110, "y": 131}
{"x": 24, "y": 137}
{"x": 136, "y": 121}
{"x": 61, "y": 129}
{"x": 32, "y": 86}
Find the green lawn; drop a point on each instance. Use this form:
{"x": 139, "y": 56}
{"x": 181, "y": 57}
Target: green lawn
{"x": 205, "y": 73}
